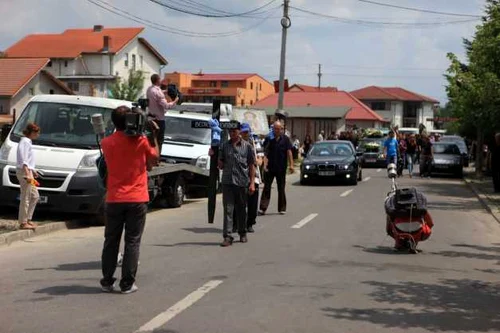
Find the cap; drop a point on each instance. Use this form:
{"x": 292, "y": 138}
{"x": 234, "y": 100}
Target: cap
{"x": 245, "y": 127}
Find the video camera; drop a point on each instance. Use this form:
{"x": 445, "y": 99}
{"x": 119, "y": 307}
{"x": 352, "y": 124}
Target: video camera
{"x": 137, "y": 122}
{"x": 172, "y": 92}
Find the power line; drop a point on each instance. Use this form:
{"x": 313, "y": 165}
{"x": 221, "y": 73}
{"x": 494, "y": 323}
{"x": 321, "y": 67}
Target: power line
{"x": 125, "y": 14}
{"x": 222, "y": 15}
{"x": 382, "y": 23}
{"x": 417, "y": 9}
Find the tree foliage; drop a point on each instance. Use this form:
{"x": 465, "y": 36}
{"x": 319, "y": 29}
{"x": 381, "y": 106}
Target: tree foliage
{"x": 128, "y": 90}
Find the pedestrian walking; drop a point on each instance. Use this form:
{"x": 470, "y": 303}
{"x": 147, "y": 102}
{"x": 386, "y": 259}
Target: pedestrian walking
{"x": 495, "y": 163}
{"x": 391, "y": 148}
{"x": 296, "y": 147}
{"x": 26, "y": 174}
{"x": 321, "y": 136}
{"x": 402, "y": 148}
{"x": 426, "y": 157}
{"x": 158, "y": 105}
{"x": 306, "y": 145}
{"x": 253, "y": 198}
{"x": 278, "y": 156}
{"x": 237, "y": 162}
{"x": 411, "y": 153}
{"x": 127, "y": 159}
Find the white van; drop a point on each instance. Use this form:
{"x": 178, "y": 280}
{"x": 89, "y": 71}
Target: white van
{"x": 65, "y": 152}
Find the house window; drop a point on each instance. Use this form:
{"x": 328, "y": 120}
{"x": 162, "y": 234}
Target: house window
{"x": 378, "y": 106}
{"x": 213, "y": 84}
{"x": 224, "y": 84}
{"x": 251, "y": 102}
{"x": 75, "y": 86}
{"x": 133, "y": 62}
{"x": 32, "y": 92}
{"x": 251, "y": 85}
{"x": 242, "y": 102}
{"x": 260, "y": 87}
{"x": 126, "y": 59}
{"x": 142, "y": 61}
{"x": 49, "y": 64}
{"x": 51, "y": 91}
{"x": 65, "y": 63}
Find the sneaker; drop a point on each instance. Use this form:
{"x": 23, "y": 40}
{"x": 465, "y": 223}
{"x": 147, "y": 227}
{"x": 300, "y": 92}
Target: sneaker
{"x": 108, "y": 289}
{"x": 228, "y": 241}
{"x": 243, "y": 239}
{"x": 132, "y": 289}
{"x": 250, "y": 229}
{"x": 283, "y": 212}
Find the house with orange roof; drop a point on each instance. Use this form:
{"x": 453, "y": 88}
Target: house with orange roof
{"x": 23, "y": 78}
{"x": 306, "y": 88}
{"x": 312, "y": 112}
{"x": 399, "y": 106}
{"x": 88, "y": 61}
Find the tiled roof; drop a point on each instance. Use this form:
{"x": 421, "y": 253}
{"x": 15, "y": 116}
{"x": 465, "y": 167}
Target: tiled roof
{"x": 306, "y": 88}
{"x": 357, "y": 110}
{"x": 390, "y": 93}
{"x": 71, "y": 43}
{"x": 16, "y": 73}
{"x": 222, "y": 77}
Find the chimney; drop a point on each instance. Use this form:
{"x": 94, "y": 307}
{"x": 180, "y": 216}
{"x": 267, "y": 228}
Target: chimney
{"x": 98, "y": 28}
{"x": 106, "y": 44}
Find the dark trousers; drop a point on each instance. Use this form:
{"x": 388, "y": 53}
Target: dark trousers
{"x": 425, "y": 165}
{"x": 253, "y": 206}
{"x": 496, "y": 179}
{"x": 266, "y": 193}
{"x": 132, "y": 217}
{"x": 234, "y": 200}
{"x": 161, "y": 132}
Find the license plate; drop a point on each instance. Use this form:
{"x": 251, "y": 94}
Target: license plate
{"x": 371, "y": 160}
{"x": 43, "y": 200}
{"x": 326, "y": 173}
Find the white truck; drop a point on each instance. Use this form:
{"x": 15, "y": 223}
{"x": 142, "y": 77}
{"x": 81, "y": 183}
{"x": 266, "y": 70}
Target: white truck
{"x": 66, "y": 154}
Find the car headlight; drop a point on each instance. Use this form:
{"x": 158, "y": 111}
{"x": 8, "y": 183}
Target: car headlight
{"x": 345, "y": 166}
{"x": 203, "y": 162}
{"x": 89, "y": 161}
{"x": 310, "y": 167}
{"x": 5, "y": 151}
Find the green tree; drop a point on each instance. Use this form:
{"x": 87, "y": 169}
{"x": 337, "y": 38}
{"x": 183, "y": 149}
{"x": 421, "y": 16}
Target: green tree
{"x": 128, "y": 90}
{"x": 474, "y": 87}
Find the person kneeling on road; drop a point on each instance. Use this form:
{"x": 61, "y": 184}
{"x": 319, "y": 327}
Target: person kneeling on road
{"x": 237, "y": 162}
{"x": 127, "y": 158}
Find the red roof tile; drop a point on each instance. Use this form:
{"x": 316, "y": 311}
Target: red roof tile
{"x": 390, "y": 93}
{"x": 306, "y": 88}
{"x": 222, "y": 77}
{"x": 16, "y": 73}
{"x": 71, "y": 43}
{"x": 358, "y": 111}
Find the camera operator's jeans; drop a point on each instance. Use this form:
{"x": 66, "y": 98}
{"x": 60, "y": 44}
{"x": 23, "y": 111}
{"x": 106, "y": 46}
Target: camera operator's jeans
{"x": 161, "y": 133}
{"x": 132, "y": 217}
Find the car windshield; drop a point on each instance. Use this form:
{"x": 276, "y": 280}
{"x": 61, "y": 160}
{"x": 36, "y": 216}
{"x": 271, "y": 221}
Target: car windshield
{"x": 449, "y": 149}
{"x": 180, "y": 130}
{"x": 62, "y": 125}
{"x": 331, "y": 149}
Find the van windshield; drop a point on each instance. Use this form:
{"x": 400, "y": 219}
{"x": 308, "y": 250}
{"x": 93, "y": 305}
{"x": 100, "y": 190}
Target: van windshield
{"x": 180, "y": 130}
{"x": 62, "y": 125}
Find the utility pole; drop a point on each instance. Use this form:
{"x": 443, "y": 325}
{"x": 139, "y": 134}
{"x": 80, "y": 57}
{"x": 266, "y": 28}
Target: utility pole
{"x": 285, "y": 24}
{"x": 319, "y": 77}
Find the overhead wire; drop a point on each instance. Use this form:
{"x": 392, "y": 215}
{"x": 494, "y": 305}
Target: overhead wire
{"x": 161, "y": 27}
{"x": 417, "y": 9}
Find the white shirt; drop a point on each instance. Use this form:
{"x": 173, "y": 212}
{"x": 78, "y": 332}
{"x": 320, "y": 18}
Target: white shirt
{"x": 25, "y": 154}
{"x": 158, "y": 105}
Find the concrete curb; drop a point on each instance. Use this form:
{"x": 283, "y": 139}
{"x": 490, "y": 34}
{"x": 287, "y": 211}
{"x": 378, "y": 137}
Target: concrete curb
{"x": 483, "y": 198}
{"x": 19, "y": 235}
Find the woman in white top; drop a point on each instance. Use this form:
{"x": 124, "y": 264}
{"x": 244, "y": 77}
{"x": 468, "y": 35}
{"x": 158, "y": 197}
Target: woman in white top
{"x": 26, "y": 175}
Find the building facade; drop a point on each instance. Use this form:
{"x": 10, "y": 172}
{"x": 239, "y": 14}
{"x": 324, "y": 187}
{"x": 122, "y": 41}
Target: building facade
{"x": 90, "y": 60}
{"x": 236, "y": 89}
{"x": 398, "y": 106}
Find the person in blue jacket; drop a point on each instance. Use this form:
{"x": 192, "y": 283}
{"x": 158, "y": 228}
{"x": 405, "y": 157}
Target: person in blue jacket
{"x": 391, "y": 148}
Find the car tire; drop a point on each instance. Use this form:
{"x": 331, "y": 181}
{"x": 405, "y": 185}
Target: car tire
{"x": 354, "y": 181}
{"x": 176, "y": 198}
{"x": 460, "y": 174}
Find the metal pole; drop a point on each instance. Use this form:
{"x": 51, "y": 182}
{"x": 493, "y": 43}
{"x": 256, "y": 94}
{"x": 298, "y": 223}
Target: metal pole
{"x": 285, "y": 24}
{"x": 319, "y": 77}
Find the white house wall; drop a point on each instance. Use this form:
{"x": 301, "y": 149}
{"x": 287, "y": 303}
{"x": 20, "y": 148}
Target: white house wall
{"x": 428, "y": 113}
{"x": 397, "y": 108}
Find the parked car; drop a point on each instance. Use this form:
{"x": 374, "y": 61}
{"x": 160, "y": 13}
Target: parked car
{"x": 447, "y": 159}
{"x": 331, "y": 160}
{"x": 372, "y": 152}
{"x": 462, "y": 145}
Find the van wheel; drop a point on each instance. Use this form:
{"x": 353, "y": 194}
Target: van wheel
{"x": 176, "y": 198}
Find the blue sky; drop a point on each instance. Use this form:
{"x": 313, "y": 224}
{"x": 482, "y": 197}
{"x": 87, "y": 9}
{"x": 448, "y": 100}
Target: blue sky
{"x": 352, "y": 55}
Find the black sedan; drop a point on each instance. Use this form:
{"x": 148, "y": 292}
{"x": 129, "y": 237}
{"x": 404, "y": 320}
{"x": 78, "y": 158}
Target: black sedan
{"x": 331, "y": 160}
{"x": 447, "y": 159}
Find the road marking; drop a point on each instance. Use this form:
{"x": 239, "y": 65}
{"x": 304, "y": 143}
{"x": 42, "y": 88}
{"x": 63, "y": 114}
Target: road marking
{"x": 346, "y": 193}
{"x": 367, "y": 179}
{"x": 378, "y": 170}
{"x": 180, "y": 306}
{"x": 304, "y": 221}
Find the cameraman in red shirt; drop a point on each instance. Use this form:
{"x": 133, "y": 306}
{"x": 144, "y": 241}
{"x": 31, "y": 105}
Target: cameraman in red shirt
{"x": 128, "y": 159}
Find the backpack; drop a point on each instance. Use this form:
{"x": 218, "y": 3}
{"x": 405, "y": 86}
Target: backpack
{"x": 102, "y": 170}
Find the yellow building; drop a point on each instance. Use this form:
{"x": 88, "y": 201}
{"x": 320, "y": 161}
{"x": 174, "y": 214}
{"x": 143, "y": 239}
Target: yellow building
{"x": 235, "y": 89}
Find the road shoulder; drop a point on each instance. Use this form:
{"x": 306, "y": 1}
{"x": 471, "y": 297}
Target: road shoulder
{"x": 483, "y": 188}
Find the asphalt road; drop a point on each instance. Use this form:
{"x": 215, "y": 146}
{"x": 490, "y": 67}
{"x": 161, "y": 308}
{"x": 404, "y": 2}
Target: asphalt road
{"x": 326, "y": 266}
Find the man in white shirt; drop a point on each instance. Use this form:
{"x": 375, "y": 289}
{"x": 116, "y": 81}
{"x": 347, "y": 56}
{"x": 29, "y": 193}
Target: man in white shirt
{"x": 158, "y": 106}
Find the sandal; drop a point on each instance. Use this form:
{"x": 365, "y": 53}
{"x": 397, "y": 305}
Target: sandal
{"x": 33, "y": 224}
{"x": 26, "y": 226}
